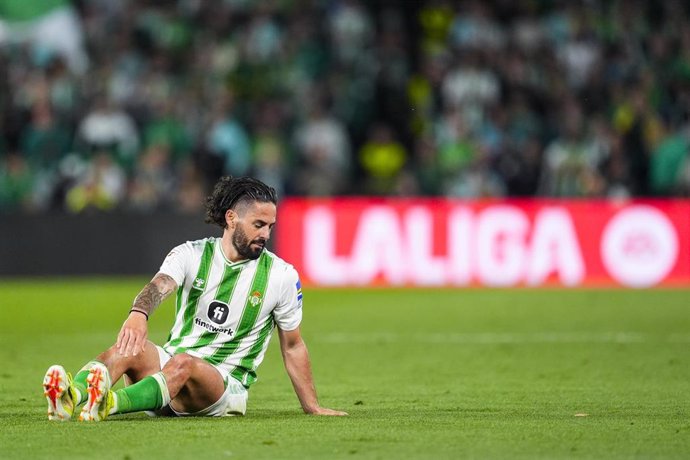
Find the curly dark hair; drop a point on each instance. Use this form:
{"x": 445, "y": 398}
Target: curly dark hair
{"x": 230, "y": 193}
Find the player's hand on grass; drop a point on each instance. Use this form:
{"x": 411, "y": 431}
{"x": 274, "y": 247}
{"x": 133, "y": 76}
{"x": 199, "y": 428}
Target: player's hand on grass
{"x": 132, "y": 336}
{"x": 325, "y": 411}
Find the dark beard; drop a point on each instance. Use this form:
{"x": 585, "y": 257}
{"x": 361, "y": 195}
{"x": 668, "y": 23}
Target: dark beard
{"x": 243, "y": 245}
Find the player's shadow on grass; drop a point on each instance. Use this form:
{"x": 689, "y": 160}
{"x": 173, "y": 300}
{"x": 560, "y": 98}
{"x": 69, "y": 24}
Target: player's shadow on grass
{"x": 253, "y": 415}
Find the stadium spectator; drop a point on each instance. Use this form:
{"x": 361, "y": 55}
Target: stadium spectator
{"x": 571, "y": 160}
{"x": 44, "y": 142}
{"x": 271, "y": 154}
{"x": 426, "y": 168}
{"x": 457, "y": 148}
{"x": 16, "y": 183}
{"x": 352, "y": 30}
{"x": 165, "y": 129}
{"x": 190, "y": 191}
{"x": 382, "y": 158}
{"x": 49, "y": 26}
{"x": 520, "y": 167}
{"x": 101, "y": 187}
{"x": 106, "y": 125}
{"x": 324, "y": 153}
{"x": 670, "y": 164}
{"x": 153, "y": 184}
{"x": 228, "y": 140}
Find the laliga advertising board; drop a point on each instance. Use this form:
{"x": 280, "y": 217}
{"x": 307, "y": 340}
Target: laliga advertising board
{"x": 433, "y": 242}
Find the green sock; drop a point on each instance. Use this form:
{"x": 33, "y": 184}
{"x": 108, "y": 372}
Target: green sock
{"x": 79, "y": 381}
{"x": 150, "y": 393}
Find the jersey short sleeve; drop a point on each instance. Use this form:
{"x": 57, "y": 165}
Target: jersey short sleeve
{"x": 176, "y": 263}
{"x": 288, "y": 312}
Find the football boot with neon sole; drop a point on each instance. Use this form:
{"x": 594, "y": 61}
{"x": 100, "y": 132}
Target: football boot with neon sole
{"x": 100, "y": 399}
{"x": 60, "y": 393}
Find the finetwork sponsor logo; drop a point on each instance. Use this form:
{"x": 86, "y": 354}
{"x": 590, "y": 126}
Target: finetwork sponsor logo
{"x": 218, "y": 312}
{"x": 212, "y": 328}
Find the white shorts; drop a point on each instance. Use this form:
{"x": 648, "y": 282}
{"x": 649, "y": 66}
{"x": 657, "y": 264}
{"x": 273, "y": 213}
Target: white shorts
{"x": 232, "y": 402}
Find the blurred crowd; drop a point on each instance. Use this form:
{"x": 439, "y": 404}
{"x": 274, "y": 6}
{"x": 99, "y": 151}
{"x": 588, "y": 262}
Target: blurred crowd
{"x": 142, "y": 105}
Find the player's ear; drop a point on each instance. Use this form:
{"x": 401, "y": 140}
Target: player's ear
{"x": 230, "y": 218}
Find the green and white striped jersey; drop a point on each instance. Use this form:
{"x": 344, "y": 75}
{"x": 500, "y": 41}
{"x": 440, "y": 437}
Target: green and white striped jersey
{"x": 225, "y": 312}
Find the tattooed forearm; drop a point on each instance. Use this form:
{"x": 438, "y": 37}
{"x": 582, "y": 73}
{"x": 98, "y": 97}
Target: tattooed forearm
{"x": 160, "y": 287}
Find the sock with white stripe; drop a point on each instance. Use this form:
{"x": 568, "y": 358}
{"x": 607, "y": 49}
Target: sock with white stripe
{"x": 150, "y": 393}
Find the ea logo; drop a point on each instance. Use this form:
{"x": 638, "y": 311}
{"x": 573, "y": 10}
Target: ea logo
{"x": 218, "y": 312}
{"x": 639, "y": 246}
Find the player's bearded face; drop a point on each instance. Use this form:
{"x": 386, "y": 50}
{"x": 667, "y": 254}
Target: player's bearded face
{"x": 249, "y": 249}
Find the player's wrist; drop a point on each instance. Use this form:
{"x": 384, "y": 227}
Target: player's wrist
{"x": 135, "y": 310}
{"x": 311, "y": 408}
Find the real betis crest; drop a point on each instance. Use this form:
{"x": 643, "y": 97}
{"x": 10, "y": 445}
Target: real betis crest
{"x": 255, "y": 298}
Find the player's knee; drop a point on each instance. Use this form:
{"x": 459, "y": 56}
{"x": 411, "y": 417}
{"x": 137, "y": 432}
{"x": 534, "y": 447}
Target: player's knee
{"x": 112, "y": 351}
{"x": 182, "y": 365}
{"x": 113, "y": 354}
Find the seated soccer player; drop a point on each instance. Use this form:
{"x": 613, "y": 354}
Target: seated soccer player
{"x": 231, "y": 293}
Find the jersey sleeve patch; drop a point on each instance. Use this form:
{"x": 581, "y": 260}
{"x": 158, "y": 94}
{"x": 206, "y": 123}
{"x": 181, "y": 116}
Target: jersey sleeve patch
{"x": 298, "y": 285}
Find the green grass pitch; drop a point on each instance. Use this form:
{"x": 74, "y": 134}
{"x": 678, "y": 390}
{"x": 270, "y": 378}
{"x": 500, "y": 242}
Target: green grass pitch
{"x": 424, "y": 373}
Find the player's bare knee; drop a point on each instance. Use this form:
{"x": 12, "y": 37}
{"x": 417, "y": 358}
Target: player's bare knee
{"x": 180, "y": 366}
{"x": 115, "y": 361}
{"x": 112, "y": 356}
